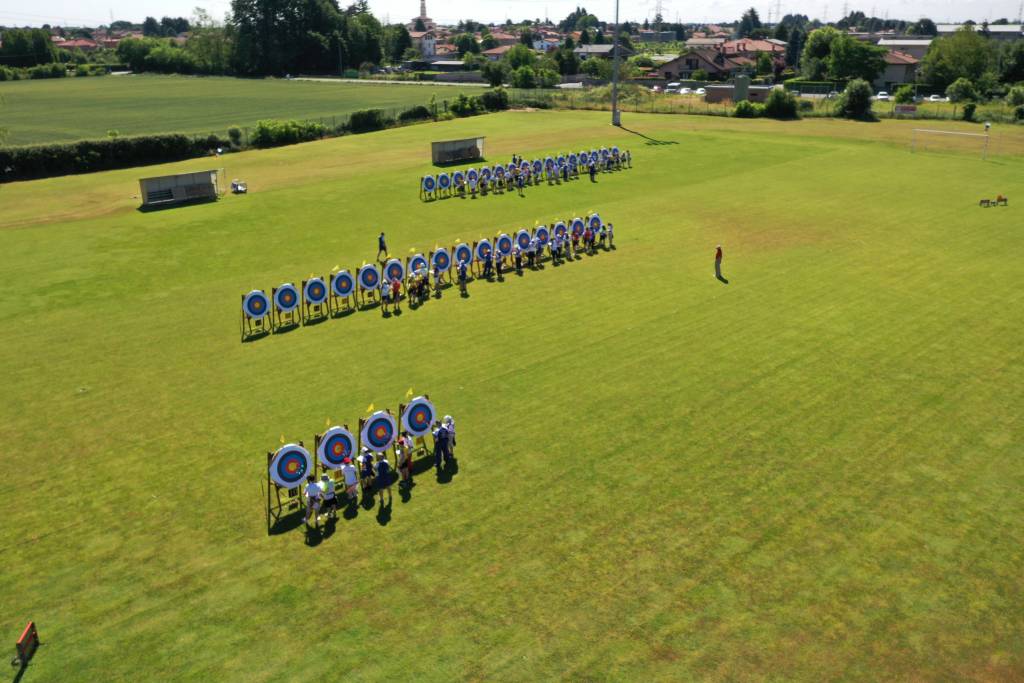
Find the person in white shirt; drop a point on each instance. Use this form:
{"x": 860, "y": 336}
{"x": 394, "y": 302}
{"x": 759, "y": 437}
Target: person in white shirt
{"x": 351, "y": 479}
{"x": 313, "y": 495}
{"x": 449, "y": 424}
{"x": 366, "y": 468}
{"x": 330, "y": 504}
{"x": 404, "y": 447}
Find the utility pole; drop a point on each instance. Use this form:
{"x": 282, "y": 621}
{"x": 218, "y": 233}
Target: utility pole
{"x": 616, "y": 119}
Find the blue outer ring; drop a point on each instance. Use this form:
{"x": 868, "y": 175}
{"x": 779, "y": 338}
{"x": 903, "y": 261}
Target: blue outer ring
{"x": 369, "y": 268}
{"x": 444, "y": 181}
{"x": 594, "y": 218}
{"x": 479, "y": 247}
{"x": 286, "y": 288}
{"x": 387, "y": 269}
{"x": 560, "y": 229}
{"x": 523, "y": 238}
{"x": 417, "y": 262}
{"x": 250, "y": 298}
{"x": 578, "y": 226}
{"x": 442, "y": 253}
{"x": 485, "y": 174}
{"x": 429, "y": 183}
{"x": 310, "y": 294}
{"x": 472, "y": 175}
{"x": 343, "y": 283}
{"x": 543, "y": 234}
{"x": 503, "y": 238}
{"x": 463, "y": 249}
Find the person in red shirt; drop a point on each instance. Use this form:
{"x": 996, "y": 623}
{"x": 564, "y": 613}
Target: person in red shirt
{"x": 396, "y": 288}
{"x": 718, "y": 262}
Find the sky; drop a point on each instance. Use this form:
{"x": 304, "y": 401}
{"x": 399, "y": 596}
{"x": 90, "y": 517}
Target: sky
{"x": 96, "y": 12}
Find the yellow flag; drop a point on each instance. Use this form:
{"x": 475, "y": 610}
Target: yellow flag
{"x": 369, "y": 408}
{"x": 536, "y": 223}
{"x": 458, "y": 241}
{"x": 282, "y": 438}
{"x": 327, "y": 422}
{"x": 337, "y": 268}
{"x": 412, "y": 250}
{"x": 408, "y": 394}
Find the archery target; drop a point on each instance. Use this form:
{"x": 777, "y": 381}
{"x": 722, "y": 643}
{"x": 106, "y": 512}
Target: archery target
{"x": 463, "y": 252}
{"x": 560, "y": 229}
{"x": 429, "y": 183}
{"x": 256, "y": 304}
{"x": 369, "y": 277}
{"x": 538, "y": 167}
{"x": 286, "y": 298}
{"x": 444, "y": 181}
{"x": 584, "y": 157}
{"x": 524, "y": 167}
{"x": 472, "y": 175}
{"x": 549, "y": 163}
{"x": 315, "y": 291}
{"x": 442, "y": 261}
{"x": 379, "y": 431}
{"x": 560, "y": 160}
{"x": 523, "y": 239}
{"x": 543, "y": 235}
{"x": 343, "y": 283}
{"x": 594, "y": 222}
{"x": 418, "y": 416}
{"x": 336, "y": 445}
{"x": 573, "y": 161}
{"x": 499, "y": 172}
{"x": 394, "y": 270}
{"x": 485, "y": 174}
{"x": 504, "y": 244}
{"x": 417, "y": 262}
{"x": 510, "y": 168}
{"x": 458, "y": 177}
{"x": 483, "y": 249}
{"x": 290, "y": 466}
{"x": 604, "y": 154}
{"x": 615, "y": 151}
{"x": 578, "y": 226}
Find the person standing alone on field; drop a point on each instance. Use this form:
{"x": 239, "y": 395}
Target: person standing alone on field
{"x": 382, "y": 247}
{"x": 718, "y": 263}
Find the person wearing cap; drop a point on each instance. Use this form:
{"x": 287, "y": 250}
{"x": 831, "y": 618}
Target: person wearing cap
{"x": 611, "y": 236}
{"x": 330, "y": 504}
{"x": 449, "y": 424}
{"x": 462, "y": 275}
{"x": 351, "y": 479}
{"x": 366, "y": 468}
{"x": 313, "y": 496}
{"x": 718, "y": 262}
{"x": 517, "y": 257}
{"x": 403, "y": 452}
{"x": 602, "y": 237}
{"x": 440, "y": 435}
{"x": 396, "y": 293}
{"x": 383, "y": 476}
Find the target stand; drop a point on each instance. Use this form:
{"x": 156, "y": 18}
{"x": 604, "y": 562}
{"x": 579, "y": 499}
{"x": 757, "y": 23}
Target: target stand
{"x": 287, "y": 469}
{"x": 315, "y": 296}
{"x": 286, "y": 312}
{"x": 255, "y": 322}
{"x": 342, "y": 297}
{"x": 418, "y": 417}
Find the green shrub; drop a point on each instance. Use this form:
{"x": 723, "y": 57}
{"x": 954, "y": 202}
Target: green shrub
{"x": 47, "y": 71}
{"x": 855, "y": 102}
{"x": 1018, "y": 112}
{"x": 367, "y": 120}
{"x": 235, "y": 135}
{"x": 747, "y": 110}
{"x": 1015, "y": 97}
{"x": 781, "y": 104}
{"x": 273, "y": 133}
{"x": 961, "y": 90}
{"x": 904, "y": 94}
{"x": 968, "y": 113}
{"x": 417, "y": 113}
{"x": 495, "y": 100}
{"x": 8, "y": 74}
{"x": 524, "y": 78}
{"x": 805, "y": 105}
{"x": 466, "y": 106}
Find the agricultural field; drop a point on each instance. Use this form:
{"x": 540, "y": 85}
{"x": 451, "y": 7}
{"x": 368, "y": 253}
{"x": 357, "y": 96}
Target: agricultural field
{"x": 811, "y": 472}
{"x": 66, "y": 109}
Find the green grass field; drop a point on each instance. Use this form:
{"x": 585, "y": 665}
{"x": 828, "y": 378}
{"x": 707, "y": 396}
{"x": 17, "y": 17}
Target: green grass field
{"x": 810, "y": 473}
{"x": 60, "y": 110}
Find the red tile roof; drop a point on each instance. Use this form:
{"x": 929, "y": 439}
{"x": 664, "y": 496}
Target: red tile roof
{"x": 897, "y": 57}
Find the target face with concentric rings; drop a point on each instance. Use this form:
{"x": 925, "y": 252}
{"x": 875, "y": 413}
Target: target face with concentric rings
{"x": 560, "y": 229}
{"x": 286, "y": 298}
{"x": 485, "y": 174}
{"x": 483, "y": 248}
{"x": 549, "y": 163}
{"x": 523, "y": 238}
{"x": 458, "y": 177}
{"x": 315, "y": 290}
{"x": 442, "y": 261}
{"x": 499, "y": 171}
{"x": 542, "y": 234}
{"x": 538, "y": 166}
{"x": 510, "y": 168}
{"x": 572, "y": 160}
{"x": 578, "y": 226}
{"x": 336, "y": 444}
{"x": 343, "y": 283}
{"x": 369, "y": 277}
{"x": 256, "y": 304}
{"x": 429, "y": 183}
{"x": 417, "y": 262}
{"x": 595, "y": 222}
{"x": 463, "y": 253}
{"x": 418, "y": 416}
{"x": 394, "y": 270}
{"x": 560, "y": 160}
{"x": 379, "y": 431}
{"x": 444, "y": 181}
{"x": 472, "y": 175}
{"x": 290, "y": 466}
{"x": 504, "y": 244}
{"x": 615, "y": 150}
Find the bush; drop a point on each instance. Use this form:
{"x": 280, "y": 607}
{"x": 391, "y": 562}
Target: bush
{"x": 273, "y": 133}
{"x": 45, "y": 161}
{"x": 495, "y": 100}
{"x": 367, "y": 120}
{"x": 781, "y": 105}
{"x": 524, "y": 78}
{"x": 961, "y": 90}
{"x": 466, "y": 106}
{"x": 417, "y": 113}
{"x": 968, "y": 112}
{"x": 8, "y": 74}
{"x": 904, "y": 94}
{"x": 805, "y": 105}
{"x": 855, "y": 102}
{"x": 547, "y": 78}
{"x": 747, "y": 110}
{"x": 47, "y": 71}
{"x": 235, "y": 135}
{"x": 1015, "y": 97}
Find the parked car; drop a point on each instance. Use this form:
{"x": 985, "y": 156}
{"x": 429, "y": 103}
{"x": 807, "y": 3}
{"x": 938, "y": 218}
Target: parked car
{"x": 882, "y": 96}
{"x": 685, "y": 91}
{"x": 655, "y": 88}
{"x": 937, "y": 98}
{"x": 700, "y": 91}
{"x": 672, "y": 87}
{"x": 832, "y": 95}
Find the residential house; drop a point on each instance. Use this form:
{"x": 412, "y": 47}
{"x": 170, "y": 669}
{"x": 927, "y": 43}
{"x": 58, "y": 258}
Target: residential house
{"x": 650, "y": 36}
{"x": 915, "y": 47}
{"x": 604, "y": 51}
{"x": 712, "y": 62}
{"x": 496, "y": 53}
{"x": 900, "y": 68}
{"x": 546, "y": 44}
{"x": 83, "y": 44}
{"x": 995, "y": 31}
{"x": 504, "y": 38}
{"x": 425, "y": 42}
{"x": 704, "y": 43}
{"x": 746, "y": 47}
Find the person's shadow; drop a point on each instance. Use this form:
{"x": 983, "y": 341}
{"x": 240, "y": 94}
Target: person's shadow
{"x": 384, "y": 513}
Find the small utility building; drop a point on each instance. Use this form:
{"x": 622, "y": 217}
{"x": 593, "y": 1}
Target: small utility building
{"x": 179, "y": 189}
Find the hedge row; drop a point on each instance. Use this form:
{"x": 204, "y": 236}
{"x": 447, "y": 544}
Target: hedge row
{"x": 87, "y": 156}
{"x": 54, "y": 70}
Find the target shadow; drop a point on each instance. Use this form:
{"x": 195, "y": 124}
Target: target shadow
{"x": 285, "y": 329}
{"x": 286, "y": 523}
{"x": 248, "y": 339}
